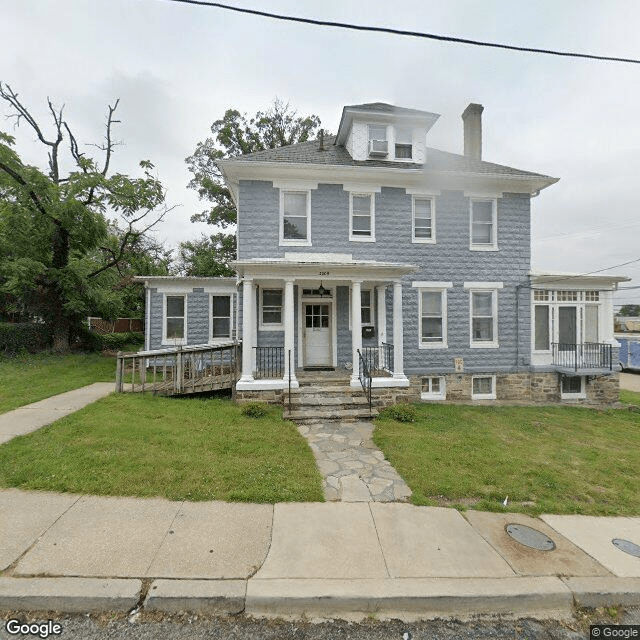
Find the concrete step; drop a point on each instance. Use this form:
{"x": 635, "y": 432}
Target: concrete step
{"x": 312, "y": 413}
{"x": 319, "y": 399}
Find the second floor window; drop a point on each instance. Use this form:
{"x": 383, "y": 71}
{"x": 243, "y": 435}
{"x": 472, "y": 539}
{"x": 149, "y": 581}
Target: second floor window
{"x": 483, "y": 225}
{"x": 423, "y": 220}
{"x": 295, "y": 217}
{"x": 361, "y": 225}
{"x": 432, "y": 319}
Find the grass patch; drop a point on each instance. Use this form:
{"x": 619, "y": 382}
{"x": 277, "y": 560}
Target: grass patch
{"x": 552, "y": 459}
{"x": 181, "y": 449}
{"x": 29, "y": 378}
{"x": 630, "y": 397}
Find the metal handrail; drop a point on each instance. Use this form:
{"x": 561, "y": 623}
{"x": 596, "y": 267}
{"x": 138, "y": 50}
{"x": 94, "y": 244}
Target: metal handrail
{"x": 269, "y": 363}
{"x": 587, "y": 355}
{"x": 386, "y": 353}
{"x": 364, "y": 374}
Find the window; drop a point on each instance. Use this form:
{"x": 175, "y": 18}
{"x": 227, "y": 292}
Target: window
{"x": 295, "y": 217}
{"x": 404, "y": 144}
{"x": 423, "y": 220}
{"x": 174, "y": 319}
{"x": 540, "y": 295}
{"x": 433, "y": 388}
{"x": 378, "y": 140}
{"x": 366, "y": 307}
{"x": 592, "y": 296}
{"x": 484, "y": 319}
{"x": 572, "y": 387}
{"x": 483, "y": 225}
{"x": 220, "y": 317}
{"x": 483, "y": 388}
{"x": 591, "y": 323}
{"x": 541, "y": 340}
{"x": 433, "y": 329}
{"x": 271, "y": 316}
{"x": 567, "y": 296}
{"x": 361, "y": 223}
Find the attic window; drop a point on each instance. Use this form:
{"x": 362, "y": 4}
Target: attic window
{"x": 378, "y": 145}
{"x": 404, "y": 144}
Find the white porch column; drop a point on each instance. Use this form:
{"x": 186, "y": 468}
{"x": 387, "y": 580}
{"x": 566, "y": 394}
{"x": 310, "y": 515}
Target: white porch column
{"x": 289, "y": 332}
{"x": 356, "y": 330}
{"x": 248, "y": 323}
{"x": 398, "y": 355}
{"x": 382, "y": 315}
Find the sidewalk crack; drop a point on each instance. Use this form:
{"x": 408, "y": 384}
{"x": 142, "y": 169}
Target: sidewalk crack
{"x": 166, "y": 533}
{"x": 386, "y": 566}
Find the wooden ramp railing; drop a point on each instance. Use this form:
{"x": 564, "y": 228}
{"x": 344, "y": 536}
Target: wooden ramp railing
{"x": 180, "y": 370}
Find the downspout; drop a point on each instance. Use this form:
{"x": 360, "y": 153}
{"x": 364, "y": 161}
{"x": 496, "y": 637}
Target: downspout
{"x": 147, "y": 313}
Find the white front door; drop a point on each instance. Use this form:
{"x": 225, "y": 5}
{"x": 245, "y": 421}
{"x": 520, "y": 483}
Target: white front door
{"x": 317, "y": 335}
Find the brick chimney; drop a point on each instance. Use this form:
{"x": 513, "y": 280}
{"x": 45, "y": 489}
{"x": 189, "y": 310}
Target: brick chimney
{"x": 472, "y": 120}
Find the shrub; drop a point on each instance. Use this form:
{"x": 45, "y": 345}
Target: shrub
{"x": 23, "y": 336}
{"x": 254, "y": 409}
{"x": 400, "y": 412}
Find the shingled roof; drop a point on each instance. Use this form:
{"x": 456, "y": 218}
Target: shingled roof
{"x": 310, "y": 153}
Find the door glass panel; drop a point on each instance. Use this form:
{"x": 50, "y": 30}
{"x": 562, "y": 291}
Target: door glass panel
{"x": 542, "y": 328}
{"x": 567, "y": 334}
{"x": 591, "y": 324}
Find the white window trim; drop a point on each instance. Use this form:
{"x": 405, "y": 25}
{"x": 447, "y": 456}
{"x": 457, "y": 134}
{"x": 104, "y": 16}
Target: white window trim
{"x": 290, "y": 242}
{"x": 269, "y": 326}
{"x": 581, "y": 395}
{"x": 478, "y": 344}
{"x": 440, "y": 395}
{"x": 494, "y": 222}
{"x": 432, "y": 239}
{"x": 213, "y": 340}
{"x": 484, "y": 396}
{"x": 443, "y": 297}
{"x": 173, "y": 341}
{"x": 372, "y": 213}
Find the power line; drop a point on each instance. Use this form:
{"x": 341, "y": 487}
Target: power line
{"x": 403, "y": 32}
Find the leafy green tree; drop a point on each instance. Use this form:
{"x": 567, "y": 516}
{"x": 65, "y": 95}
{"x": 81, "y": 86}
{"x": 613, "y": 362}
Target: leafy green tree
{"x": 627, "y": 310}
{"x": 233, "y": 135}
{"x": 58, "y": 255}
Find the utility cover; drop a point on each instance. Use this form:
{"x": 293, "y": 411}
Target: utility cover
{"x": 530, "y": 537}
{"x": 627, "y": 546}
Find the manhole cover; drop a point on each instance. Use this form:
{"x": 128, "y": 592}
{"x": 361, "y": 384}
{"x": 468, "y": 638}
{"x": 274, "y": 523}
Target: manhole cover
{"x": 529, "y": 537}
{"x": 627, "y": 546}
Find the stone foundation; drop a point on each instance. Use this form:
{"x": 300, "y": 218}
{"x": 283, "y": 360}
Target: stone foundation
{"x": 529, "y": 387}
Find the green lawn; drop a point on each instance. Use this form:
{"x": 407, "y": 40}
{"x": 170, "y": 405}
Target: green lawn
{"x": 552, "y": 459}
{"x": 630, "y": 397}
{"x": 26, "y": 379}
{"x": 193, "y": 449}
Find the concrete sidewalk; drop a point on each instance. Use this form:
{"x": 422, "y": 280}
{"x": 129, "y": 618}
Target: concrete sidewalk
{"x": 72, "y": 553}
{"x": 39, "y": 414}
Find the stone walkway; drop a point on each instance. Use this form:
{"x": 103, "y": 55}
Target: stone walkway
{"x": 354, "y": 469}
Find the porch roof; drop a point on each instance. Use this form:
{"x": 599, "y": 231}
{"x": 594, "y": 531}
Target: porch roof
{"x": 327, "y": 266}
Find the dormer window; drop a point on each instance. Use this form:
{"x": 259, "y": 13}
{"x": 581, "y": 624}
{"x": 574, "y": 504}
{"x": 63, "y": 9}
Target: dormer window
{"x": 404, "y": 144}
{"x": 378, "y": 145}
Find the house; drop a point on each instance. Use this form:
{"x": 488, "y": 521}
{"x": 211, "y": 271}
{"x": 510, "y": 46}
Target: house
{"x": 373, "y": 253}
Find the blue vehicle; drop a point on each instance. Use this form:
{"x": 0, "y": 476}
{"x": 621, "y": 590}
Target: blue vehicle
{"x": 629, "y": 352}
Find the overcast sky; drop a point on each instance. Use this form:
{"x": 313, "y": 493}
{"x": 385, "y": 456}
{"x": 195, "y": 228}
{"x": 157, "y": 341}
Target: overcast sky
{"x": 177, "y": 68}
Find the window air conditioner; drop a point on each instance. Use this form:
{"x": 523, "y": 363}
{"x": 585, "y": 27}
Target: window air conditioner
{"x": 378, "y": 148}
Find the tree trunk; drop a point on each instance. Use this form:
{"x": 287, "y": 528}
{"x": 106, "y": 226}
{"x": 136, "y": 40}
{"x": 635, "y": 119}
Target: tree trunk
{"x": 60, "y": 334}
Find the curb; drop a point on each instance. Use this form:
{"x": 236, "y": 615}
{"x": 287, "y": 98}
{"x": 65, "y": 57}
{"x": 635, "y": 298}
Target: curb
{"x": 69, "y": 595}
{"x": 406, "y": 598}
{"x": 546, "y": 597}
{"x": 203, "y": 596}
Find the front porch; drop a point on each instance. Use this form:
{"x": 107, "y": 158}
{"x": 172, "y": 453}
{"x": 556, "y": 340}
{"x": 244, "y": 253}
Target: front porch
{"x": 302, "y": 316}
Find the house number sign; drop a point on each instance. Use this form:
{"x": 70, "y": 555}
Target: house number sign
{"x": 323, "y": 273}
